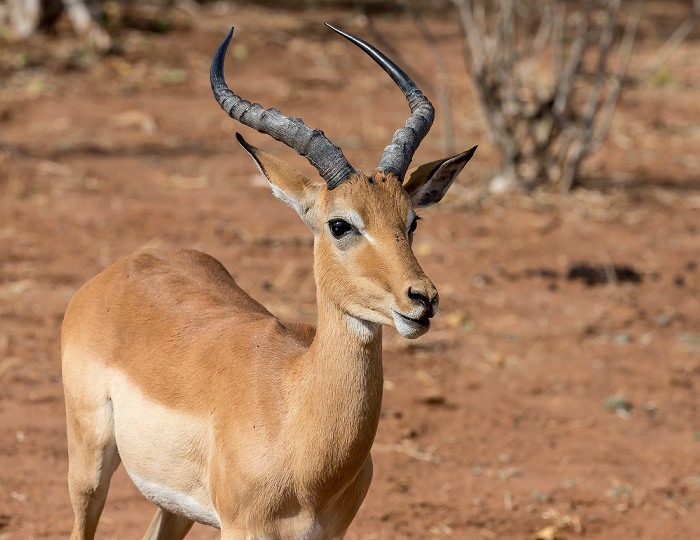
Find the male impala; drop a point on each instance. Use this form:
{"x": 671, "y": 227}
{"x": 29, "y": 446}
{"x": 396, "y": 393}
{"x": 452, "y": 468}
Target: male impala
{"x": 223, "y": 414}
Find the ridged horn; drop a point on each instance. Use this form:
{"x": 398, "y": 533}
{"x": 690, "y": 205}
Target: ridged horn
{"x": 398, "y": 155}
{"x": 310, "y": 143}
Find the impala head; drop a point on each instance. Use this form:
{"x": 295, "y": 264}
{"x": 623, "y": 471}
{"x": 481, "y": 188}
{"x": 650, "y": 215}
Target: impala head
{"x": 363, "y": 224}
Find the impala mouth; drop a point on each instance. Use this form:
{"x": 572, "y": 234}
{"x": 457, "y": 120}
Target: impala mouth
{"x": 423, "y": 320}
{"x": 412, "y": 328}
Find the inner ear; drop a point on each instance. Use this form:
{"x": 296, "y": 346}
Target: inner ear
{"x": 287, "y": 183}
{"x": 428, "y": 183}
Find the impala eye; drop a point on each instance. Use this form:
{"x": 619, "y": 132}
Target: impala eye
{"x": 413, "y": 226}
{"x": 339, "y": 228}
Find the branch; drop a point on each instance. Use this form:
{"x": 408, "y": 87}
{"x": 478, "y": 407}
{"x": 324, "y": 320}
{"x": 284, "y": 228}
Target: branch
{"x": 540, "y": 41}
{"x": 623, "y": 60}
{"x": 564, "y": 81}
{"x": 671, "y": 44}
{"x": 474, "y": 35}
{"x": 601, "y": 75}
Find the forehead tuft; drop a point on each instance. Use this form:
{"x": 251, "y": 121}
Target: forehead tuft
{"x": 376, "y": 197}
{"x": 381, "y": 177}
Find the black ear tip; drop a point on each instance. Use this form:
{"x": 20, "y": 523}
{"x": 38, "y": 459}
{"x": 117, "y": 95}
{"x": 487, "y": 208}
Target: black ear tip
{"x": 248, "y": 147}
{"x": 469, "y": 153}
{"x": 462, "y": 157}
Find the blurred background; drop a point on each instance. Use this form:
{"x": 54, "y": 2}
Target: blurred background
{"x": 556, "y": 395}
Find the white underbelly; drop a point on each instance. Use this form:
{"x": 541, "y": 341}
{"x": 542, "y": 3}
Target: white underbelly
{"x": 165, "y": 452}
{"x": 175, "y": 502}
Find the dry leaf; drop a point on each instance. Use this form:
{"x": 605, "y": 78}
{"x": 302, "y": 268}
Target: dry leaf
{"x": 548, "y": 533}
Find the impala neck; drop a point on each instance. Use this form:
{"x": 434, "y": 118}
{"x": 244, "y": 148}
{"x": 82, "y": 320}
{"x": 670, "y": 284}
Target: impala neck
{"x": 342, "y": 391}
{"x": 348, "y": 354}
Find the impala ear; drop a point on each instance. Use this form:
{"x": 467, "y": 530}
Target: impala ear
{"x": 286, "y": 182}
{"x": 428, "y": 183}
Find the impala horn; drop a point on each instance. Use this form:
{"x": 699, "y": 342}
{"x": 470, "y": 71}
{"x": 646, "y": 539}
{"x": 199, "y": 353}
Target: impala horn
{"x": 328, "y": 158}
{"x": 398, "y": 155}
{"x": 310, "y": 143}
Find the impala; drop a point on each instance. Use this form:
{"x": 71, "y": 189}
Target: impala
{"x": 223, "y": 414}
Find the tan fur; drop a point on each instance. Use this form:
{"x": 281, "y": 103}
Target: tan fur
{"x": 219, "y": 411}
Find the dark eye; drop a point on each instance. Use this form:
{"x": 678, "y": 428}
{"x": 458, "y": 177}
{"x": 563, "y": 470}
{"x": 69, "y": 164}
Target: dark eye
{"x": 339, "y": 227}
{"x": 413, "y": 226}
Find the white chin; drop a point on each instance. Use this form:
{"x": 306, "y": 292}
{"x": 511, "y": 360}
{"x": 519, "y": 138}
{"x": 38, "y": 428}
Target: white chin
{"x": 408, "y": 328}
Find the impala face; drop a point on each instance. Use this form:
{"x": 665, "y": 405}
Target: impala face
{"x": 365, "y": 260}
{"x": 363, "y": 232}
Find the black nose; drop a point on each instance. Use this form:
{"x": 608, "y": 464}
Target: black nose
{"x": 418, "y": 296}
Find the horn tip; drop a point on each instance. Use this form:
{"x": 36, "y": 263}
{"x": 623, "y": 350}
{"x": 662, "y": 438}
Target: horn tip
{"x": 338, "y": 30}
{"x": 229, "y": 35}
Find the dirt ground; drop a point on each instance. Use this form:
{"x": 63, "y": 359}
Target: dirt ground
{"x": 535, "y": 402}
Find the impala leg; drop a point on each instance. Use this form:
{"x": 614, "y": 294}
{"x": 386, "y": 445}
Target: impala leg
{"x": 346, "y": 507}
{"x": 168, "y": 526}
{"x": 93, "y": 458}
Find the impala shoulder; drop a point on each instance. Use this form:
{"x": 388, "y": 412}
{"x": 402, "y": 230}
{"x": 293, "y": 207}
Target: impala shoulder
{"x": 270, "y": 333}
{"x": 301, "y": 332}
{"x": 200, "y": 280}
{"x": 185, "y": 261}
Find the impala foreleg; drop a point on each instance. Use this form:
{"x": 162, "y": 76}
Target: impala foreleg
{"x": 93, "y": 458}
{"x": 168, "y": 526}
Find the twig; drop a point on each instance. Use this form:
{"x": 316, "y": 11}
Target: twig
{"x": 404, "y": 449}
{"x": 615, "y": 84}
{"x": 8, "y": 363}
{"x": 671, "y": 44}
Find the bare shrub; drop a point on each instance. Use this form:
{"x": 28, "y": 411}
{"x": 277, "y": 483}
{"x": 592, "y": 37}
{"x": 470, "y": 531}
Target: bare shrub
{"x": 549, "y": 75}
{"x": 96, "y": 20}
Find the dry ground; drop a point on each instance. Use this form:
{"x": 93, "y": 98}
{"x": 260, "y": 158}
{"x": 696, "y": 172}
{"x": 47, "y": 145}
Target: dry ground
{"x": 535, "y": 401}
